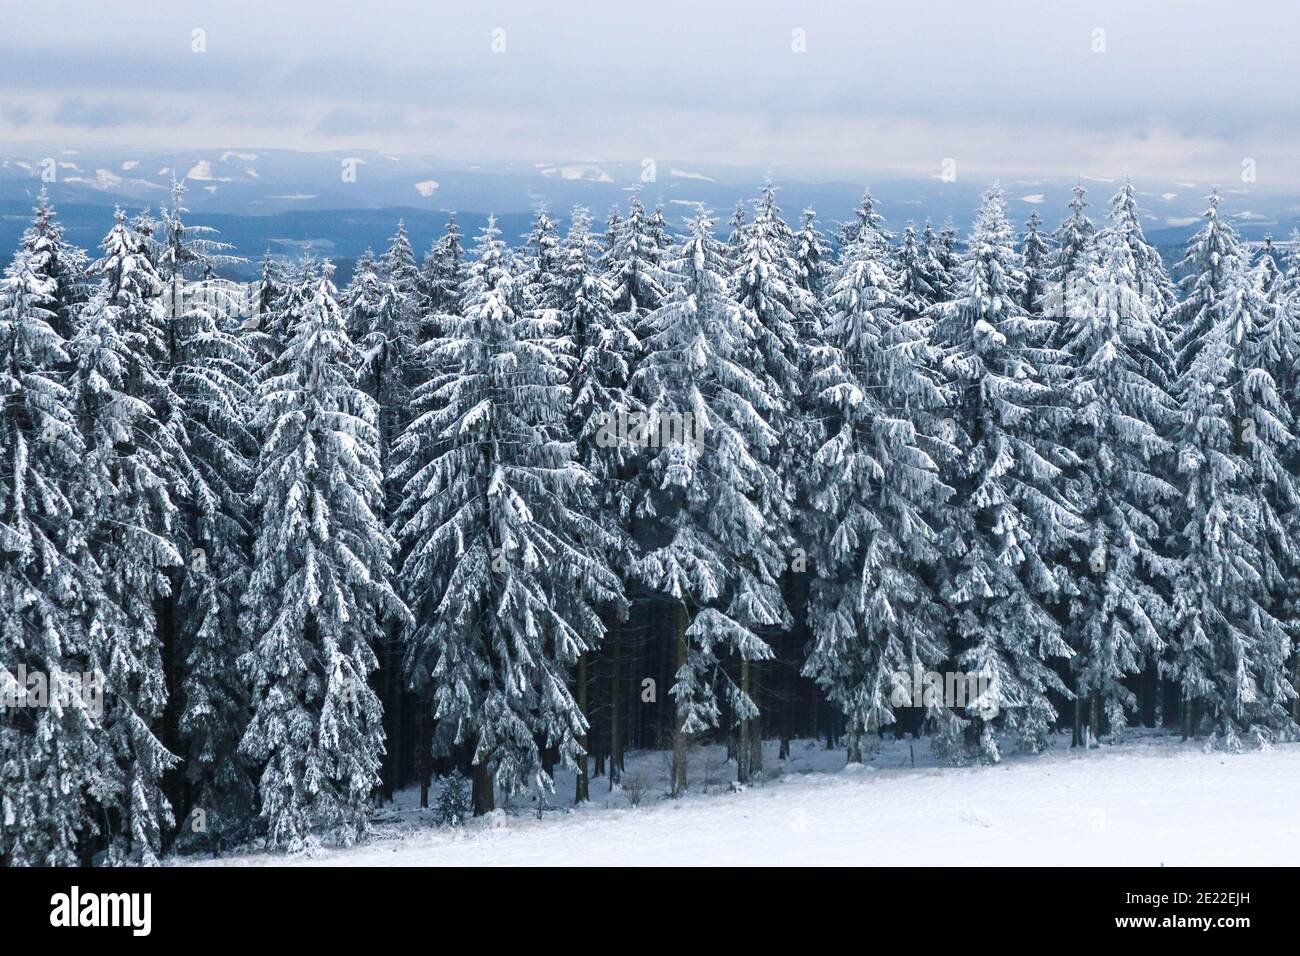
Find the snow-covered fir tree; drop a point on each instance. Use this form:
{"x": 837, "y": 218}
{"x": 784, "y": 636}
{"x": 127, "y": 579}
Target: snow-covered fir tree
{"x": 602, "y": 348}
{"x": 630, "y": 265}
{"x": 1230, "y": 651}
{"x": 442, "y": 275}
{"x": 736, "y": 231}
{"x": 495, "y": 524}
{"x": 1116, "y": 352}
{"x": 124, "y": 495}
{"x": 540, "y": 261}
{"x": 766, "y": 286}
{"x": 51, "y": 757}
{"x": 866, "y": 223}
{"x": 1213, "y": 253}
{"x": 261, "y": 328}
{"x": 661, "y": 235}
{"x": 1072, "y": 241}
{"x": 1036, "y": 254}
{"x": 812, "y": 255}
{"x": 1149, "y": 272}
{"x": 56, "y": 259}
{"x": 943, "y": 248}
{"x": 1011, "y": 516}
{"x": 210, "y": 370}
{"x": 877, "y": 498}
{"x": 319, "y": 592}
{"x": 713, "y": 553}
{"x": 920, "y": 279}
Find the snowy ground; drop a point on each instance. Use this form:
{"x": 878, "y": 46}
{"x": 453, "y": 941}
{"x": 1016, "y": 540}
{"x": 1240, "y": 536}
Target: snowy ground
{"x": 1147, "y": 802}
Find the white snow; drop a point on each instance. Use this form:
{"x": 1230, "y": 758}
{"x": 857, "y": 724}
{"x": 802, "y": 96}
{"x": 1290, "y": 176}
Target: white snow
{"x": 684, "y": 174}
{"x": 1035, "y": 198}
{"x": 1148, "y": 802}
{"x": 586, "y": 172}
{"x": 202, "y": 171}
{"x": 426, "y": 188}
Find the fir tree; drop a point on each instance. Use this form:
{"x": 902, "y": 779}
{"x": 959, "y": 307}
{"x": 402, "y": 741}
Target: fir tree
{"x": 812, "y": 255}
{"x": 210, "y": 371}
{"x": 1213, "y": 253}
{"x": 1229, "y": 650}
{"x": 877, "y": 498}
{"x": 319, "y": 591}
{"x": 262, "y": 327}
{"x": 602, "y": 348}
{"x": 123, "y": 495}
{"x": 714, "y": 554}
{"x": 866, "y": 225}
{"x": 765, "y": 285}
{"x": 541, "y": 262}
{"x": 51, "y": 757}
{"x": 442, "y": 275}
{"x": 919, "y": 277}
{"x": 1149, "y": 274}
{"x": 1119, "y": 618}
{"x": 498, "y": 570}
{"x": 943, "y": 250}
{"x": 631, "y": 270}
{"x": 1036, "y": 253}
{"x": 55, "y": 259}
{"x": 1011, "y": 516}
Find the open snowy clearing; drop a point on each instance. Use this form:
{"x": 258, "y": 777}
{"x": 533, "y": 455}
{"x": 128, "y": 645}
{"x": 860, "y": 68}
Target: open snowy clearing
{"x": 1151, "y": 801}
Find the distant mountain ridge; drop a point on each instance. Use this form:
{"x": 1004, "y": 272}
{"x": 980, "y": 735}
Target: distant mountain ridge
{"x": 341, "y": 203}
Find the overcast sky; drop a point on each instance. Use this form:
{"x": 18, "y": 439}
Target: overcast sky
{"x": 1173, "y": 88}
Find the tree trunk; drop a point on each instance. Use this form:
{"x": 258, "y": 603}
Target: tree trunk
{"x": 787, "y": 711}
{"x": 484, "y": 801}
{"x": 425, "y": 743}
{"x": 1170, "y": 703}
{"x": 755, "y": 729}
{"x": 1096, "y": 717}
{"x": 615, "y": 703}
{"x": 854, "y": 745}
{"x": 743, "y": 755}
{"x": 1295, "y": 682}
{"x": 390, "y": 694}
{"x": 681, "y": 621}
{"x": 173, "y": 779}
{"x": 582, "y": 783}
{"x": 1150, "y": 688}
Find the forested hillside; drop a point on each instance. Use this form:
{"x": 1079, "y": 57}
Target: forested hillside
{"x": 502, "y": 508}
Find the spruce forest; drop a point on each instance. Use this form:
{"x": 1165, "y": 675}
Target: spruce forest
{"x": 528, "y": 503}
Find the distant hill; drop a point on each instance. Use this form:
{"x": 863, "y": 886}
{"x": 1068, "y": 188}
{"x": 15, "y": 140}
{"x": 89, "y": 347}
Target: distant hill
{"x": 340, "y": 204}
